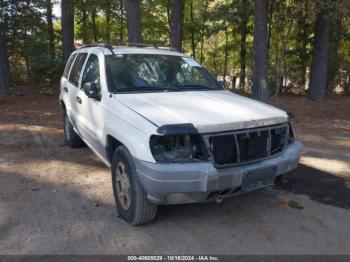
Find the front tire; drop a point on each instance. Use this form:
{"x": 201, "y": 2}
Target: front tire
{"x": 130, "y": 198}
{"x": 72, "y": 139}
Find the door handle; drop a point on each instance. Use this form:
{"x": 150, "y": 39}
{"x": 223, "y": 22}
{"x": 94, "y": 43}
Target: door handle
{"x": 65, "y": 89}
{"x": 78, "y": 99}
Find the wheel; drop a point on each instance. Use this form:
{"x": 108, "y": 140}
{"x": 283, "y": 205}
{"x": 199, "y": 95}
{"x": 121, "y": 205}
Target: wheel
{"x": 71, "y": 137}
{"x": 130, "y": 198}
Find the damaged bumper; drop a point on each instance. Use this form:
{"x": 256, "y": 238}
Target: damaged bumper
{"x": 200, "y": 182}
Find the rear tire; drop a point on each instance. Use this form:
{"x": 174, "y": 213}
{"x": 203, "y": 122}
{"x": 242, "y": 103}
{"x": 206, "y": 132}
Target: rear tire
{"x": 130, "y": 198}
{"x": 72, "y": 139}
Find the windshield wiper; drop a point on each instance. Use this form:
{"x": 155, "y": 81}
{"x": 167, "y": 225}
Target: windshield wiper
{"x": 195, "y": 86}
{"x": 146, "y": 88}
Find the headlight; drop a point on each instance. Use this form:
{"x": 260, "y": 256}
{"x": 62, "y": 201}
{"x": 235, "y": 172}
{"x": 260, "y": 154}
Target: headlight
{"x": 178, "y": 148}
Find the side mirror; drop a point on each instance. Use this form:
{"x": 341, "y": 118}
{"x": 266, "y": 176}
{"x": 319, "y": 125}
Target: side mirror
{"x": 91, "y": 90}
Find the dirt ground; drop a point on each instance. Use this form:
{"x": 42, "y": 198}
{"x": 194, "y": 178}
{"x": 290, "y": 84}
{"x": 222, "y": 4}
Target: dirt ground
{"x": 56, "y": 200}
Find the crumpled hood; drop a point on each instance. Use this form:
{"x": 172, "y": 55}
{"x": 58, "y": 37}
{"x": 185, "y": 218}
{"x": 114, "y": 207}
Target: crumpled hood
{"x": 208, "y": 111}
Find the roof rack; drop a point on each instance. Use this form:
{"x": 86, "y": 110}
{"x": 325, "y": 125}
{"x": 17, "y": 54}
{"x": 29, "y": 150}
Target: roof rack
{"x": 129, "y": 44}
{"x": 133, "y": 44}
{"x": 106, "y": 45}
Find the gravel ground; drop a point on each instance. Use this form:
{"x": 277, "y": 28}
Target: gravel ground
{"x": 57, "y": 200}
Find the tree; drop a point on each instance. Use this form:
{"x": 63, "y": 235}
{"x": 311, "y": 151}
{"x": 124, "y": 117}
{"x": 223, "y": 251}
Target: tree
{"x": 107, "y": 8}
{"x": 319, "y": 65}
{"x": 176, "y": 24}
{"x": 225, "y": 55}
{"x": 82, "y": 17}
{"x": 5, "y": 72}
{"x": 302, "y": 39}
{"x": 243, "y": 42}
{"x": 203, "y": 29}
{"x": 93, "y": 20}
{"x": 134, "y": 21}
{"x": 50, "y": 31}
{"x": 121, "y": 33}
{"x": 67, "y": 10}
{"x": 335, "y": 59}
{"x": 192, "y": 29}
{"x": 260, "y": 90}
{"x": 271, "y": 11}
{"x": 281, "y": 60}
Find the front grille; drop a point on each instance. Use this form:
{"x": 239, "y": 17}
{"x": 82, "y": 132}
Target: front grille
{"x": 244, "y": 146}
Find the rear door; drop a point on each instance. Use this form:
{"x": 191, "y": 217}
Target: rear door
{"x": 75, "y": 100}
{"x": 65, "y": 82}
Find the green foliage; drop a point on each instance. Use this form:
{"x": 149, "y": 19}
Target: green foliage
{"x": 211, "y": 27}
{"x": 27, "y": 38}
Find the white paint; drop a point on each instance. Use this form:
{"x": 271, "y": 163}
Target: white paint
{"x": 208, "y": 111}
{"x": 191, "y": 62}
{"x": 133, "y": 118}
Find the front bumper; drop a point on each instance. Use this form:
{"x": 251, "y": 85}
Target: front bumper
{"x": 200, "y": 182}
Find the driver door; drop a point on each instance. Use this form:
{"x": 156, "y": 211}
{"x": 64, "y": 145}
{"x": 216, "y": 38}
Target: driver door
{"x": 92, "y": 113}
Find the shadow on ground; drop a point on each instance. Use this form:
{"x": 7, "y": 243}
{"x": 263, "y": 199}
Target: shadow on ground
{"x": 320, "y": 186}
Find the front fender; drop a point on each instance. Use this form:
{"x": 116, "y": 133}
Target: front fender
{"x": 132, "y": 130}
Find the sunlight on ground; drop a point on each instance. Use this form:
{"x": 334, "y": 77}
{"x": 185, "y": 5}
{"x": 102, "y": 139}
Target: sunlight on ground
{"x": 332, "y": 166}
{"x": 60, "y": 176}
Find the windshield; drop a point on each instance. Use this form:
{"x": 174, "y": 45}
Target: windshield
{"x": 152, "y": 73}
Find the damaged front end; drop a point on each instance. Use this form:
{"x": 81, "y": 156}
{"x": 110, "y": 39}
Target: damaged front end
{"x": 223, "y": 149}
{"x": 248, "y": 145}
{"x": 178, "y": 148}
{"x": 193, "y": 167}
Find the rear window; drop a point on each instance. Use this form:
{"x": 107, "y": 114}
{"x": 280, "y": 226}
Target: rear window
{"x": 68, "y": 65}
{"x": 76, "y": 69}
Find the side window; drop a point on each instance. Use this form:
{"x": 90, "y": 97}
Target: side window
{"x": 77, "y": 67}
{"x": 91, "y": 71}
{"x": 68, "y": 65}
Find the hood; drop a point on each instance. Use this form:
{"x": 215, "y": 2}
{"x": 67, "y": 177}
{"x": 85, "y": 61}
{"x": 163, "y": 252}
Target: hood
{"x": 208, "y": 111}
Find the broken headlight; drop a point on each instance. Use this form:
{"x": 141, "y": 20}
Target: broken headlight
{"x": 178, "y": 148}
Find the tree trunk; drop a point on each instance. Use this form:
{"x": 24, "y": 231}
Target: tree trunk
{"x": 50, "y": 31}
{"x": 334, "y": 60}
{"x": 93, "y": 18}
{"x": 243, "y": 49}
{"x": 168, "y": 12}
{"x": 234, "y": 79}
{"x": 121, "y": 33}
{"x": 84, "y": 26}
{"x": 203, "y": 29}
{"x": 134, "y": 21}
{"x": 282, "y": 59}
{"x": 285, "y": 74}
{"x": 67, "y": 10}
{"x": 260, "y": 91}
{"x": 214, "y": 58}
{"x": 269, "y": 31}
{"x": 176, "y": 24}
{"x": 193, "y": 45}
{"x": 226, "y": 55}
{"x": 319, "y": 65}
{"x": 304, "y": 42}
{"x": 29, "y": 73}
{"x": 5, "y": 72}
{"x": 108, "y": 26}
{"x": 347, "y": 84}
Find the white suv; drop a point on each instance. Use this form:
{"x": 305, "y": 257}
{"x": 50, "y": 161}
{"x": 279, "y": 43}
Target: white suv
{"x": 170, "y": 133}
